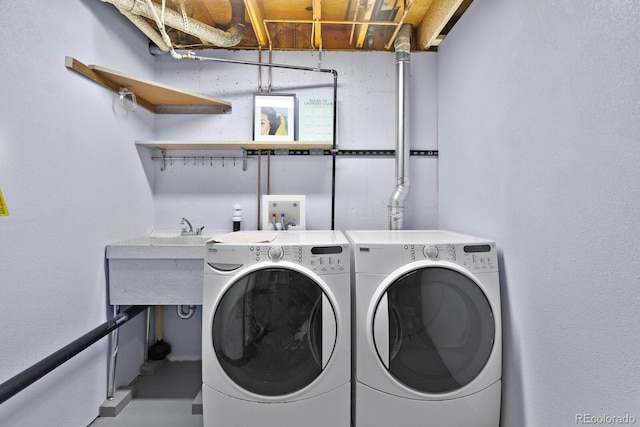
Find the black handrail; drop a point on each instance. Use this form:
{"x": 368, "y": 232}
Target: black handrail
{"x": 30, "y": 375}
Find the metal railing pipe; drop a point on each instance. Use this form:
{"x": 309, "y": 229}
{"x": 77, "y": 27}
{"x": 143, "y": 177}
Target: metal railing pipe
{"x": 30, "y": 375}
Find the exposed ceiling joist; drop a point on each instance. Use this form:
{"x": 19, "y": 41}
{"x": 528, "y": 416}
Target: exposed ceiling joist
{"x": 317, "y": 26}
{"x": 257, "y": 18}
{"x": 292, "y": 24}
{"x": 436, "y": 18}
{"x": 363, "y": 13}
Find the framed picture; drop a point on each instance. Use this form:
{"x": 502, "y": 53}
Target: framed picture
{"x": 274, "y": 117}
{"x": 315, "y": 119}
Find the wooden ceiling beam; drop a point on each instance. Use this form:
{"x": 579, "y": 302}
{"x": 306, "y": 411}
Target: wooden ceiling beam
{"x": 363, "y": 29}
{"x": 317, "y": 26}
{"x": 436, "y": 18}
{"x": 257, "y": 18}
{"x": 201, "y": 11}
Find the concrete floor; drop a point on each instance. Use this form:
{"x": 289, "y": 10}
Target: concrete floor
{"x": 165, "y": 399}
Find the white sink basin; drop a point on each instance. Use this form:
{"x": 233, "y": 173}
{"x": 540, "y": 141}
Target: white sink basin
{"x": 161, "y": 268}
{"x": 164, "y": 245}
{"x": 162, "y": 240}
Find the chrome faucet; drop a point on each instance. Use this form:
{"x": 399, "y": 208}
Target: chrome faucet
{"x": 190, "y": 231}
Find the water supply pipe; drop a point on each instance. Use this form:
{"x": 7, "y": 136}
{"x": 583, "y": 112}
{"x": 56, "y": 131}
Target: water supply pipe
{"x": 402, "y": 45}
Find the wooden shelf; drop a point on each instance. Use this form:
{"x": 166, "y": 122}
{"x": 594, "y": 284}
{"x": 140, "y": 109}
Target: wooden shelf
{"x": 155, "y": 97}
{"x": 249, "y": 145}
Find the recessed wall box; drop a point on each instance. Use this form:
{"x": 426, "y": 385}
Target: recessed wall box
{"x": 279, "y": 210}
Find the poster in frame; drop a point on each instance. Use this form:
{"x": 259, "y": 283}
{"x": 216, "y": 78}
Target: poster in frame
{"x": 274, "y": 117}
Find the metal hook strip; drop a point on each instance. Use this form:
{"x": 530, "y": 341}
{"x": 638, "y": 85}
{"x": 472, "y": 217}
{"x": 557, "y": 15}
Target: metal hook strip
{"x": 186, "y": 160}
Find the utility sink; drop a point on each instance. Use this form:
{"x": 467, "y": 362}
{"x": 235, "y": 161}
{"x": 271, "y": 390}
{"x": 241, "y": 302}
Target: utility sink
{"x": 168, "y": 240}
{"x": 161, "y": 245}
{"x": 163, "y": 268}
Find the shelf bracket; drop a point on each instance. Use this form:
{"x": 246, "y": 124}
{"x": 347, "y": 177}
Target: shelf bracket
{"x": 163, "y": 159}
{"x": 244, "y": 159}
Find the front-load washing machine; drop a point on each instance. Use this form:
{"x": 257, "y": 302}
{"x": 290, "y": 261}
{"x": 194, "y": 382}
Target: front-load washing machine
{"x": 276, "y": 337}
{"x": 427, "y": 326}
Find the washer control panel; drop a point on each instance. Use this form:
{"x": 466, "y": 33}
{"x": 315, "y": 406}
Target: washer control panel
{"x": 432, "y": 252}
{"x": 475, "y": 257}
{"x": 328, "y": 259}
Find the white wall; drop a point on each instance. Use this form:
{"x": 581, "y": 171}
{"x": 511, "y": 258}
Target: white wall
{"x": 538, "y": 134}
{"x": 366, "y": 106}
{"x": 73, "y": 181}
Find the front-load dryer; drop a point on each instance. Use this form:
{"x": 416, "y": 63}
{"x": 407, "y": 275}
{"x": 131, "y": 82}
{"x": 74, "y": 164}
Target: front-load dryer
{"x": 427, "y": 326}
{"x": 276, "y": 338}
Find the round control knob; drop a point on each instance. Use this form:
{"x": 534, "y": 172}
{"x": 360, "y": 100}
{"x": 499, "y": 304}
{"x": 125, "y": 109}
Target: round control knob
{"x": 276, "y": 252}
{"x": 431, "y": 252}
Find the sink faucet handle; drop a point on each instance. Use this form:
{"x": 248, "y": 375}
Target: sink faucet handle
{"x": 188, "y": 223}
{"x": 199, "y": 230}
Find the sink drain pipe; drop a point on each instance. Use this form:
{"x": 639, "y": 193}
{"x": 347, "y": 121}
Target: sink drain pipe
{"x": 30, "y": 375}
{"x": 185, "y": 314}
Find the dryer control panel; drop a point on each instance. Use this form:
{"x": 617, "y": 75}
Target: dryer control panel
{"x": 329, "y": 259}
{"x": 475, "y": 257}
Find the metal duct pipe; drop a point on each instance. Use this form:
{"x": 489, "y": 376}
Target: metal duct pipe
{"x": 402, "y": 47}
{"x": 148, "y": 30}
{"x": 175, "y": 20}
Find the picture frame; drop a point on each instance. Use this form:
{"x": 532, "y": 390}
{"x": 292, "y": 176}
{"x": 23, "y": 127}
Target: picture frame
{"x": 315, "y": 118}
{"x": 274, "y": 117}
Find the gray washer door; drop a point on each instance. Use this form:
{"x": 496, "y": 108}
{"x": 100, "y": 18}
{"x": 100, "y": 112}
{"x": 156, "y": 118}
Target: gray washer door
{"x": 268, "y": 331}
{"x": 434, "y": 329}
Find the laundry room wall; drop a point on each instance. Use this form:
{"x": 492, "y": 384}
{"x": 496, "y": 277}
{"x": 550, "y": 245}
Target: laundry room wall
{"x": 205, "y": 193}
{"x": 72, "y": 181}
{"x": 538, "y": 135}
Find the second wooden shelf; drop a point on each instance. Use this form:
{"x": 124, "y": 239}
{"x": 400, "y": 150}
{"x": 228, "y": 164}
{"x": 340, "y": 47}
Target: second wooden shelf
{"x": 248, "y": 145}
{"x": 155, "y": 97}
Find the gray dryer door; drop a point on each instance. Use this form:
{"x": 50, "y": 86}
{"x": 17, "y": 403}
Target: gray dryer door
{"x": 274, "y": 331}
{"x": 434, "y": 329}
